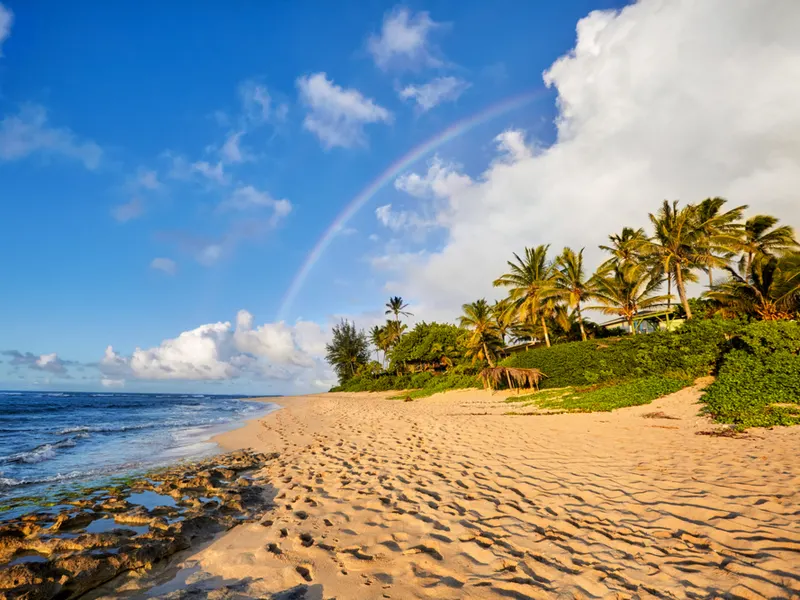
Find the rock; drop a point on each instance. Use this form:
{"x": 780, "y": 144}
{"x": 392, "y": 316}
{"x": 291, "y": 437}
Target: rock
{"x": 80, "y": 563}
{"x": 77, "y": 521}
{"x": 31, "y": 581}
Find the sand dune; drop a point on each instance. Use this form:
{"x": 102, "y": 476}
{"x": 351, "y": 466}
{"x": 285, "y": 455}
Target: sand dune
{"x": 426, "y": 499}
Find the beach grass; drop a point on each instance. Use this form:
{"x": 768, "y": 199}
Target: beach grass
{"x": 602, "y": 398}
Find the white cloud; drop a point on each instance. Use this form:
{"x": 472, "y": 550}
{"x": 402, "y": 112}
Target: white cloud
{"x": 128, "y": 211}
{"x": 512, "y": 146}
{"x": 403, "y": 42}
{"x": 231, "y": 150}
{"x": 50, "y": 363}
{"x": 247, "y": 197}
{"x": 28, "y": 132}
{"x": 278, "y": 342}
{"x": 257, "y": 103}
{"x": 679, "y": 100}
{"x": 195, "y": 354}
{"x": 6, "y": 20}
{"x": 209, "y": 171}
{"x": 436, "y": 91}
{"x": 112, "y": 383}
{"x": 179, "y": 167}
{"x": 337, "y": 116}
{"x": 442, "y": 180}
{"x": 209, "y": 254}
{"x": 166, "y": 265}
{"x": 148, "y": 179}
{"x": 219, "y": 351}
{"x": 401, "y": 219}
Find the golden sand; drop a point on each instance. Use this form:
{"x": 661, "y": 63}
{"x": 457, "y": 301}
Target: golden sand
{"x": 446, "y": 497}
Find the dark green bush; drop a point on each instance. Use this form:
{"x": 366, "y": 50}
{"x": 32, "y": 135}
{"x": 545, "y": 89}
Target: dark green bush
{"x": 424, "y": 384}
{"x": 758, "y": 384}
{"x": 419, "y": 380}
{"x": 690, "y": 351}
{"x": 429, "y": 345}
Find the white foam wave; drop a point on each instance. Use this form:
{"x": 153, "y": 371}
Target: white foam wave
{"x": 38, "y": 454}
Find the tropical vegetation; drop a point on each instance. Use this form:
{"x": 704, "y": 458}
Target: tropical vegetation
{"x": 746, "y": 271}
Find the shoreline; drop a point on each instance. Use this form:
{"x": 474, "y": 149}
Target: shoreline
{"x": 229, "y": 441}
{"x": 41, "y": 494}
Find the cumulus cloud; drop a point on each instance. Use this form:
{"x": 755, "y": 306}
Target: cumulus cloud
{"x": 442, "y": 180}
{"x": 112, "y": 383}
{"x": 220, "y": 351}
{"x": 6, "y": 20}
{"x": 128, "y": 211}
{"x": 165, "y": 265}
{"x": 247, "y": 197}
{"x": 49, "y": 363}
{"x": 678, "y": 100}
{"x": 403, "y": 42}
{"x": 436, "y": 91}
{"x": 337, "y": 116}
{"x": 212, "y": 172}
{"x": 28, "y": 132}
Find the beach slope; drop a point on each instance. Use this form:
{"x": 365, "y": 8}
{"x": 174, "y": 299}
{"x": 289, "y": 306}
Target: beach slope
{"x": 447, "y": 497}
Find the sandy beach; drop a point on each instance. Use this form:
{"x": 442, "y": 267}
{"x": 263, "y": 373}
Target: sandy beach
{"x": 447, "y": 497}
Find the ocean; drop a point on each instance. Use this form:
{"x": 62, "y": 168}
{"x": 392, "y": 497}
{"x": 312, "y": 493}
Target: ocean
{"x": 51, "y": 442}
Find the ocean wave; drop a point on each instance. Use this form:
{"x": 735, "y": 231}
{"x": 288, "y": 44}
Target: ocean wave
{"x": 9, "y": 482}
{"x": 106, "y": 428}
{"x": 39, "y": 453}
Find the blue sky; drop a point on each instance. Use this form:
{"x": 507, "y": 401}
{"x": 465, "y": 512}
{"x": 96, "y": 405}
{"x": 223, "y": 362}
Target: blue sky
{"x": 163, "y": 168}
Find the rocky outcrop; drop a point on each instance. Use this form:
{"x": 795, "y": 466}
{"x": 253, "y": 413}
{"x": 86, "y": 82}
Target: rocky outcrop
{"x": 46, "y": 555}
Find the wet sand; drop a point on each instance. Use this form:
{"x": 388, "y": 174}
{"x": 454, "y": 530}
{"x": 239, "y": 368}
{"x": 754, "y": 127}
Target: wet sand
{"x": 447, "y": 497}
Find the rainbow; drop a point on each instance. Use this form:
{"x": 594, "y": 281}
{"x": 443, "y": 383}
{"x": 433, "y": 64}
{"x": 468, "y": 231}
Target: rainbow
{"x": 404, "y": 162}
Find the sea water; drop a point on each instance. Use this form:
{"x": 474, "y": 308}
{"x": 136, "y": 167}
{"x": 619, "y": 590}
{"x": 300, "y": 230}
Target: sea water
{"x": 51, "y": 442}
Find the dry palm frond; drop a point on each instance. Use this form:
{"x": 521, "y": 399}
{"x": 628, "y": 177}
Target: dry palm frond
{"x": 515, "y": 378}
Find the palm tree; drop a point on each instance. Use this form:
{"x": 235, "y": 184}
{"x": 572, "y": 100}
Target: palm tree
{"x": 627, "y": 248}
{"x": 571, "y": 282}
{"x": 721, "y": 234}
{"x": 377, "y": 336}
{"x": 393, "y": 331}
{"x": 395, "y": 306}
{"x": 769, "y": 291}
{"x": 504, "y": 317}
{"x": 485, "y": 338}
{"x": 625, "y": 292}
{"x": 760, "y": 238}
{"x": 677, "y": 244}
{"x": 532, "y": 291}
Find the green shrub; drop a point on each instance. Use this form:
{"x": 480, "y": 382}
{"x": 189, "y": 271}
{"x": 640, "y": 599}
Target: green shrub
{"x": 419, "y": 380}
{"x": 429, "y": 344}
{"x": 690, "y": 351}
{"x": 758, "y": 384}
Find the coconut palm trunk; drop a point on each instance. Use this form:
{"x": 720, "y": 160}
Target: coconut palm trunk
{"x": 682, "y": 291}
{"x": 546, "y": 335}
{"x": 486, "y": 354}
{"x": 580, "y": 321}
